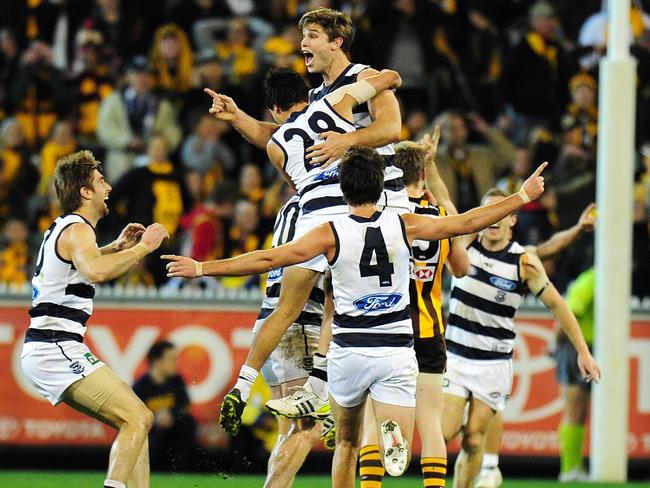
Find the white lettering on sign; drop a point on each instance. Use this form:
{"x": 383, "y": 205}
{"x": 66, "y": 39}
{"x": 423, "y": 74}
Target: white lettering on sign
{"x": 640, "y": 349}
{"x": 45, "y": 429}
{"x": 9, "y": 428}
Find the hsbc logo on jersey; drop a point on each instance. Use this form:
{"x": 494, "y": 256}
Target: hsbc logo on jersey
{"x": 424, "y": 274}
{"x": 378, "y": 301}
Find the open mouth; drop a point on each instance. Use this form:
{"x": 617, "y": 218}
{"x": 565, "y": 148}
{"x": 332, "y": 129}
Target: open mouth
{"x": 309, "y": 57}
{"x": 494, "y": 226}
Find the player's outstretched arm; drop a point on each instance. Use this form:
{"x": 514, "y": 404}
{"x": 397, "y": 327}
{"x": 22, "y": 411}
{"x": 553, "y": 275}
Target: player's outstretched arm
{"x": 532, "y": 272}
{"x": 78, "y": 243}
{"x": 254, "y": 131}
{"x": 559, "y": 241}
{"x": 421, "y": 227}
{"x": 318, "y": 241}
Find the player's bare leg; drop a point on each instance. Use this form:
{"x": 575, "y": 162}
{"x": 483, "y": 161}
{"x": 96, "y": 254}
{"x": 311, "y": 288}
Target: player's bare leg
{"x": 297, "y": 284}
{"x": 402, "y": 420}
{"x": 428, "y": 419}
{"x": 294, "y": 443}
{"x": 490, "y": 475}
{"x": 348, "y": 438}
{"x": 122, "y": 410}
{"x": 468, "y": 463}
{"x": 453, "y": 413}
{"x": 140, "y": 474}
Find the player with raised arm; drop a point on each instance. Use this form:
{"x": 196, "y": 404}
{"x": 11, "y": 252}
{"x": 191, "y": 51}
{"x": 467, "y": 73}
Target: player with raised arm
{"x": 368, "y": 253}
{"x": 480, "y": 336}
{"x": 321, "y": 199}
{"x": 54, "y": 356}
{"x": 428, "y": 259}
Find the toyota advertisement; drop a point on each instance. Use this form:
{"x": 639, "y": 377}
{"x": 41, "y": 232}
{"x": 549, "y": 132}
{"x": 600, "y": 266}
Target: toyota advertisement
{"x": 213, "y": 344}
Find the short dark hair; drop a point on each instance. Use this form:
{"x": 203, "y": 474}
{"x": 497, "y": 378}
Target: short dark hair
{"x": 334, "y": 23}
{"x": 411, "y": 158}
{"x": 362, "y": 176}
{"x": 74, "y": 172}
{"x": 224, "y": 192}
{"x": 158, "y": 350}
{"x": 284, "y": 88}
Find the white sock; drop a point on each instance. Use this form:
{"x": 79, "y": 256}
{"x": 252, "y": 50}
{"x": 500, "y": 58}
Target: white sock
{"x": 318, "y": 377}
{"x": 247, "y": 377}
{"x": 113, "y": 484}
{"x": 490, "y": 461}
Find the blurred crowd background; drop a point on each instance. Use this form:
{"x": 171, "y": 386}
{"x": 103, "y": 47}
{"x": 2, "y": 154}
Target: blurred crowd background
{"x": 511, "y": 83}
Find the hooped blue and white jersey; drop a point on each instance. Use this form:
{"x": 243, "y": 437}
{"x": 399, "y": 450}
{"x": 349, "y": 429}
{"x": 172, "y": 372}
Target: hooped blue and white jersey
{"x": 370, "y": 277}
{"x": 393, "y": 185}
{"x": 62, "y": 298}
{"x": 484, "y": 303}
{"x": 318, "y": 187}
{"x": 284, "y": 231}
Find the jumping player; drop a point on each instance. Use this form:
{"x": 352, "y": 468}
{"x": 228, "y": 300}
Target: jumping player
{"x": 368, "y": 254}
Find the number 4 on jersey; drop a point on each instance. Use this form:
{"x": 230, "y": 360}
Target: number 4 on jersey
{"x": 383, "y": 268}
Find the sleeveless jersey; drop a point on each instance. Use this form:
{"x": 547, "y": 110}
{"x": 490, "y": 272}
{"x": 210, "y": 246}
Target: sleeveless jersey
{"x": 484, "y": 303}
{"x": 370, "y": 278}
{"x": 427, "y": 263}
{"x": 318, "y": 187}
{"x": 62, "y": 299}
{"x": 283, "y": 232}
{"x": 362, "y": 118}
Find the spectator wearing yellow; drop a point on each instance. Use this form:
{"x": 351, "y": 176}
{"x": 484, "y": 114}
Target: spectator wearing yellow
{"x": 61, "y": 143}
{"x": 14, "y": 254}
{"x": 172, "y": 59}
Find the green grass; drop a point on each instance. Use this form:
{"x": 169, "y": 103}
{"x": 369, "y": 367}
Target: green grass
{"x": 63, "y": 479}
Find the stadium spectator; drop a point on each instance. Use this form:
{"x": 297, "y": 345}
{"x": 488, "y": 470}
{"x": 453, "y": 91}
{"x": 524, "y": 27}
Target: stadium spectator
{"x": 31, "y": 20}
{"x": 536, "y": 74}
{"x": 61, "y": 143}
{"x": 243, "y": 237}
{"x": 37, "y": 95}
{"x": 46, "y": 209}
{"x": 18, "y": 176}
{"x": 129, "y": 117}
{"x": 153, "y": 193}
{"x": 582, "y": 112}
{"x": 172, "y": 439}
{"x": 14, "y": 254}
{"x": 91, "y": 83}
{"x": 203, "y": 151}
{"x": 9, "y": 57}
{"x": 187, "y": 12}
{"x": 172, "y": 61}
{"x": 469, "y": 170}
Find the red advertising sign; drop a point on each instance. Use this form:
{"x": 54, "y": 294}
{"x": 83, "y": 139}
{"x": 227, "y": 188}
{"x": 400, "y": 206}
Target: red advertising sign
{"x": 213, "y": 345}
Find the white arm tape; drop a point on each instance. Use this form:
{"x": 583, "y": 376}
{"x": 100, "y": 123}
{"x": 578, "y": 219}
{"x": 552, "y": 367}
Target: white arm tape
{"x": 361, "y": 91}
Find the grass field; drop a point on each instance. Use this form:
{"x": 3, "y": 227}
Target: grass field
{"x": 63, "y": 479}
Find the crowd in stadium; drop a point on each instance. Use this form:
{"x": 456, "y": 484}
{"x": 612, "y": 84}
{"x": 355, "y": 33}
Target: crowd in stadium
{"x": 510, "y": 83}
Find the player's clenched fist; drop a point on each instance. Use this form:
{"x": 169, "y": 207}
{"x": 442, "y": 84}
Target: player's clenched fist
{"x": 182, "y": 266}
{"x": 533, "y": 187}
{"x": 223, "y": 107}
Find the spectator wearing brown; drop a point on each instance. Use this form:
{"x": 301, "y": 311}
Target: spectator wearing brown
{"x": 153, "y": 193}
{"x": 14, "y": 254}
{"x": 470, "y": 169}
{"x": 37, "y": 95}
{"x": 91, "y": 83}
{"x": 536, "y": 74}
{"x": 128, "y": 118}
{"x": 582, "y": 112}
{"x": 172, "y": 61}
{"x": 243, "y": 236}
{"x": 18, "y": 176}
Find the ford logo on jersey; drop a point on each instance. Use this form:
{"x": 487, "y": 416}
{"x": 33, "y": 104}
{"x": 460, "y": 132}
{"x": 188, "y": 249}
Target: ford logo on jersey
{"x": 378, "y": 301}
{"x": 35, "y": 292}
{"x": 274, "y": 274}
{"x": 327, "y": 174}
{"x": 502, "y": 283}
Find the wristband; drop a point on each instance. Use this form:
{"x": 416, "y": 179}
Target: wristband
{"x": 140, "y": 251}
{"x": 198, "y": 268}
{"x": 524, "y": 196}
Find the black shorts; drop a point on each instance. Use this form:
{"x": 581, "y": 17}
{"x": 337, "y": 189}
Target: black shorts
{"x": 431, "y": 354}
{"x": 567, "y": 371}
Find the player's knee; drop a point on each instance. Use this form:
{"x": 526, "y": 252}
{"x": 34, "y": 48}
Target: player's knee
{"x": 147, "y": 419}
{"x": 473, "y": 441}
{"x": 140, "y": 418}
